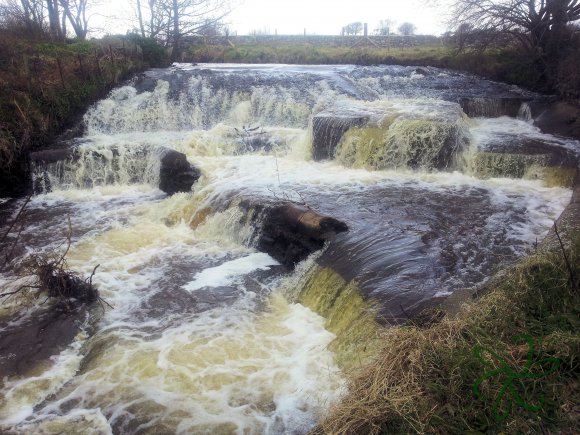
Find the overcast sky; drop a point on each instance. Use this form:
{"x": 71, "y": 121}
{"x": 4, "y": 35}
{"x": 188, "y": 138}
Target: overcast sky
{"x": 293, "y": 16}
{"x": 328, "y": 16}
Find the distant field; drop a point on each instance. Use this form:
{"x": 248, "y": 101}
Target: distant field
{"x": 320, "y": 54}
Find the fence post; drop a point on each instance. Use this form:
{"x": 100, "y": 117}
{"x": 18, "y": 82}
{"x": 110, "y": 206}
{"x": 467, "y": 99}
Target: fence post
{"x": 97, "y": 62}
{"x": 113, "y": 72}
{"x": 81, "y": 65}
{"x": 60, "y": 72}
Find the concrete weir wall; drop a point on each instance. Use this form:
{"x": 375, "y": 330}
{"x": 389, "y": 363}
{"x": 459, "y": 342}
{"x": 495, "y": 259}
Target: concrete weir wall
{"x": 318, "y": 40}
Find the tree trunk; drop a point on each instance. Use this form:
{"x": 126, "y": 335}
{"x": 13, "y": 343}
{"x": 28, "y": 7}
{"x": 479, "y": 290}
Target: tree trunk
{"x": 140, "y": 16}
{"x": 54, "y": 19}
{"x": 176, "y": 51}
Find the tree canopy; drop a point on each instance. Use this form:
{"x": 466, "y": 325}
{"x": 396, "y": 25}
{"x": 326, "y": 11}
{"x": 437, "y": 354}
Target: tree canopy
{"x": 407, "y": 29}
{"x": 537, "y": 24}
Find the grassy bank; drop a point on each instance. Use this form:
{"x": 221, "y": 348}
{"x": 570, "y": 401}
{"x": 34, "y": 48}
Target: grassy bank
{"x": 44, "y": 89}
{"x": 509, "y": 363}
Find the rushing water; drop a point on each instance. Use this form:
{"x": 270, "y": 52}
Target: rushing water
{"x": 204, "y": 335}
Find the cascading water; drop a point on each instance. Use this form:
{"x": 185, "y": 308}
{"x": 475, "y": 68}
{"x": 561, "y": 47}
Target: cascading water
{"x": 208, "y": 335}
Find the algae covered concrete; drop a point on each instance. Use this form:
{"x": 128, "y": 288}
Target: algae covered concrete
{"x": 348, "y": 315}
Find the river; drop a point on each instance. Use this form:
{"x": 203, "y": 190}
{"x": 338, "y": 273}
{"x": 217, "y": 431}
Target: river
{"x": 205, "y": 333}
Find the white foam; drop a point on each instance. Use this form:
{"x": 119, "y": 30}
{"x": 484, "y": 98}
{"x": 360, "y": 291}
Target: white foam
{"x": 485, "y": 130}
{"x": 230, "y": 272}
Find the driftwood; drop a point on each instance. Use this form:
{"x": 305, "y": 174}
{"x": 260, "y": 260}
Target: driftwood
{"x": 48, "y": 274}
{"x": 290, "y": 232}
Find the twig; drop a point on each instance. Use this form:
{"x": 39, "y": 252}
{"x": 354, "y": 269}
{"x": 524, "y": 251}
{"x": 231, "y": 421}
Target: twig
{"x": 16, "y": 219}
{"x": 18, "y": 290}
{"x": 61, "y": 261}
{"x": 9, "y": 256}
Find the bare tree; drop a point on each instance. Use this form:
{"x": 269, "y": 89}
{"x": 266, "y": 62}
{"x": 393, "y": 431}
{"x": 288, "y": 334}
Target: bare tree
{"x": 24, "y": 15}
{"x": 76, "y": 13}
{"x": 169, "y": 21}
{"x": 384, "y": 27}
{"x": 352, "y": 28}
{"x": 54, "y": 19}
{"x": 407, "y": 29}
{"x": 539, "y": 25}
{"x": 51, "y": 15}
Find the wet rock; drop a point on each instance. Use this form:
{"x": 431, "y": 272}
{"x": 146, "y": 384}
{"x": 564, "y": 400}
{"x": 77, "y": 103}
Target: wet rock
{"x": 328, "y": 129}
{"x": 176, "y": 174}
{"x": 492, "y": 107}
{"x": 524, "y": 157}
{"x": 559, "y": 118}
{"x": 290, "y": 232}
{"x": 424, "y": 71}
{"x": 46, "y": 157}
{"x": 30, "y": 341}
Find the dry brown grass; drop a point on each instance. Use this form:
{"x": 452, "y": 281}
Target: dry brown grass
{"x": 422, "y": 379}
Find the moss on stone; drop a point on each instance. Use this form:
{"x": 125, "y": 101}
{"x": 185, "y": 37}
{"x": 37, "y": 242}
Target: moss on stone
{"x": 347, "y": 314}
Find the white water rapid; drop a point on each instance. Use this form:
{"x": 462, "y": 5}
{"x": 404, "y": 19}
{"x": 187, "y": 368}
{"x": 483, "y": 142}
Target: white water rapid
{"x": 203, "y": 334}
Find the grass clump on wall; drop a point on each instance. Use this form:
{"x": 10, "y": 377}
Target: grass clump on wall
{"x": 508, "y": 363}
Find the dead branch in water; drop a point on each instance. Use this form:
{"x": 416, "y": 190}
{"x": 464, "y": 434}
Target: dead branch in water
{"x": 9, "y": 257}
{"x": 49, "y": 273}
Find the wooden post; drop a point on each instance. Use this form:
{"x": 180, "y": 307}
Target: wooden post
{"x": 26, "y": 70}
{"x": 81, "y": 65}
{"x": 60, "y": 72}
{"x": 113, "y": 72}
{"x": 97, "y": 62}
{"x": 124, "y": 52}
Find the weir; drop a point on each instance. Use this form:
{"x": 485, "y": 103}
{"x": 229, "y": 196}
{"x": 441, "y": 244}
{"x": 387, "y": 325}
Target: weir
{"x": 256, "y": 227}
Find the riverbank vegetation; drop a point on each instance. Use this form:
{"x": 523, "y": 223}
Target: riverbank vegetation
{"x": 508, "y": 363}
{"x": 46, "y": 85}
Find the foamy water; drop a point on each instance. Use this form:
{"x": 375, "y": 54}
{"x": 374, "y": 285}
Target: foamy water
{"x": 201, "y": 336}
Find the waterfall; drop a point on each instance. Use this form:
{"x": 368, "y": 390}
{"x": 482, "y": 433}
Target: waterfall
{"x": 90, "y": 166}
{"x": 525, "y": 112}
{"x": 329, "y": 202}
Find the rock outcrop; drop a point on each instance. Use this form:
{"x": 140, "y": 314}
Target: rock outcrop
{"x": 559, "y": 118}
{"x": 176, "y": 174}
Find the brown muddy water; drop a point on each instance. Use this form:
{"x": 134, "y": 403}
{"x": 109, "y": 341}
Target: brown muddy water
{"x": 205, "y": 334}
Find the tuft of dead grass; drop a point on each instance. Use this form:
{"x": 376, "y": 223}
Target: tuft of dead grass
{"x": 422, "y": 380}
